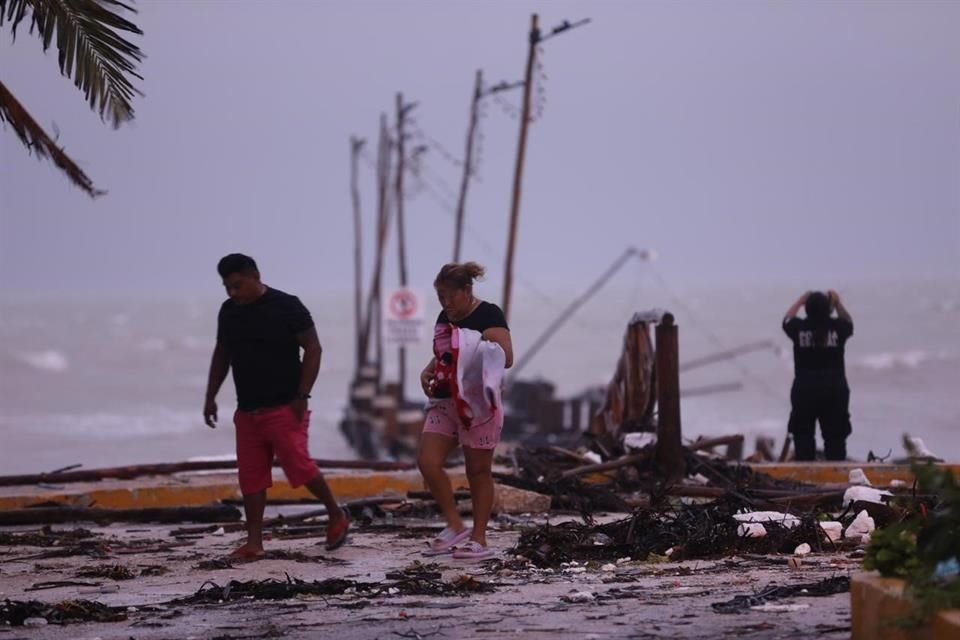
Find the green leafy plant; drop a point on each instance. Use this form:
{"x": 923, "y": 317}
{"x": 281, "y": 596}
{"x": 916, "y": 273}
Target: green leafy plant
{"x": 913, "y": 549}
{"x": 893, "y": 551}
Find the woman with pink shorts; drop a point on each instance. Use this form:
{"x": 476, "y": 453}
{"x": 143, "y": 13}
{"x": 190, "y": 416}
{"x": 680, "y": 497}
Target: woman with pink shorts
{"x": 444, "y": 429}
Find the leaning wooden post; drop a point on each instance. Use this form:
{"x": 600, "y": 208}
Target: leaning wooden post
{"x": 669, "y": 452}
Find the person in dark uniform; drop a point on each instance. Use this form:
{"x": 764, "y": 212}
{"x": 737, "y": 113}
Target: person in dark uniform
{"x": 820, "y": 391}
{"x": 260, "y": 332}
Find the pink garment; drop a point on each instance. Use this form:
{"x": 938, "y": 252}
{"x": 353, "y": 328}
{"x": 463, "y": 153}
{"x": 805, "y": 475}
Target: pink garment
{"x": 473, "y": 372}
{"x": 442, "y": 419}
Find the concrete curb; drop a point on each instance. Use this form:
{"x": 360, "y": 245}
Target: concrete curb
{"x": 875, "y": 602}
{"x": 839, "y": 472}
{"x": 200, "y": 489}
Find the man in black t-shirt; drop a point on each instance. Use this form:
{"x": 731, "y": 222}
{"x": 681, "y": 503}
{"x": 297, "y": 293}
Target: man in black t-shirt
{"x": 260, "y": 331}
{"x": 820, "y": 391}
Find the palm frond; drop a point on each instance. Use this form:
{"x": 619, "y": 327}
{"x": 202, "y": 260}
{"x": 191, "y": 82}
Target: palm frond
{"x": 91, "y": 49}
{"x": 36, "y": 139}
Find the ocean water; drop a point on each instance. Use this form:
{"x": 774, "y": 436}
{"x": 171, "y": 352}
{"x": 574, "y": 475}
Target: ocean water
{"x": 112, "y": 381}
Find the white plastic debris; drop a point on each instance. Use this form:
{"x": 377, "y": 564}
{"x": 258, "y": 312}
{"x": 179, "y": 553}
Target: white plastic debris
{"x": 581, "y": 596}
{"x": 751, "y": 530}
{"x": 593, "y": 457}
{"x": 575, "y": 570}
{"x": 833, "y": 529}
{"x": 920, "y": 449}
{"x": 698, "y": 479}
{"x": 784, "y": 519}
{"x": 861, "y": 527}
{"x": 219, "y": 532}
{"x": 897, "y": 484}
{"x": 608, "y": 567}
{"x": 393, "y": 591}
{"x": 639, "y": 440}
{"x": 802, "y": 550}
{"x": 624, "y": 560}
{"x": 858, "y": 477}
{"x": 867, "y": 494}
{"x": 34, "y": 622}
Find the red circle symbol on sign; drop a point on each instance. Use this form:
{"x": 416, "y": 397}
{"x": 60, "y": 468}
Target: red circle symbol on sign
{"x": 403, "y": 304}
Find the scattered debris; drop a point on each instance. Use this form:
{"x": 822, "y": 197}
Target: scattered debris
{"x": 864, "y": 494}
{"x": 862, "y": 526}
{"x": 153, "y": 570}
{"x": 416, "y": 579}
{"x": 56, "y": 584}
{"x": 111, "y": 572}
{"x": 686, "y": 532}
{"x": 45, "y": 537}
{"x": 15, "y": 612}
{"x": 826, "y": 587}
{"x": 215, "y": 564}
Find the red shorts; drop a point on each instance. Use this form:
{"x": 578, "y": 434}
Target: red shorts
{"x": 265, "y": 433}
{"x": 442, "y": 418}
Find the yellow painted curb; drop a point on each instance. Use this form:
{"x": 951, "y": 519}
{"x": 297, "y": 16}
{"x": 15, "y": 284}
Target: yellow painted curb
{"x": 200, "y": 489}
{"x": 875, "y": 602}
{"x": 839, "y": 472}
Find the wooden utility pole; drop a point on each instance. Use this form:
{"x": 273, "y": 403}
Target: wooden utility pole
{"x": 402, "y": 111}
{"x": 467, "y": 164}
{"x": 401, "y": 240}
{"x": 669, "y": 448}
{"x": 383, "y": 214}
{"x": 356, "y": 144}
{"x": 534, "y": 40}
{"x": 518, "y": 172}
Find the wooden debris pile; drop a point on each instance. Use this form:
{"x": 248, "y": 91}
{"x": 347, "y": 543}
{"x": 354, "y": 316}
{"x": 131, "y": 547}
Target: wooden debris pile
{"x": 681, "y": 532}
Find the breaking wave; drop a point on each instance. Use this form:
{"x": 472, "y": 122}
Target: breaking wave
{"x": 47, "y": 360}
{"x": 890, "y": 360}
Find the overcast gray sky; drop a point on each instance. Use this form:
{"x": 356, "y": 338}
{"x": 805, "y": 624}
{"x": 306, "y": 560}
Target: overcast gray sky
{"x": 741, "y": 140}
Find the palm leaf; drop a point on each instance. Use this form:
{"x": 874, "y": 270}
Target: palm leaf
{"x": 91, "y": 51}
{"x": 35, "y": 138}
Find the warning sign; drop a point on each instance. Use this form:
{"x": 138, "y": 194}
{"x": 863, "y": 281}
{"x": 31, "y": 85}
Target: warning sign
{"x": 403, "y": 317}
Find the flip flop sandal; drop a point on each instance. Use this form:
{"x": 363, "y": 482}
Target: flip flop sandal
{"x": 446, "y": 541}
{"x": 473, "y": 551}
